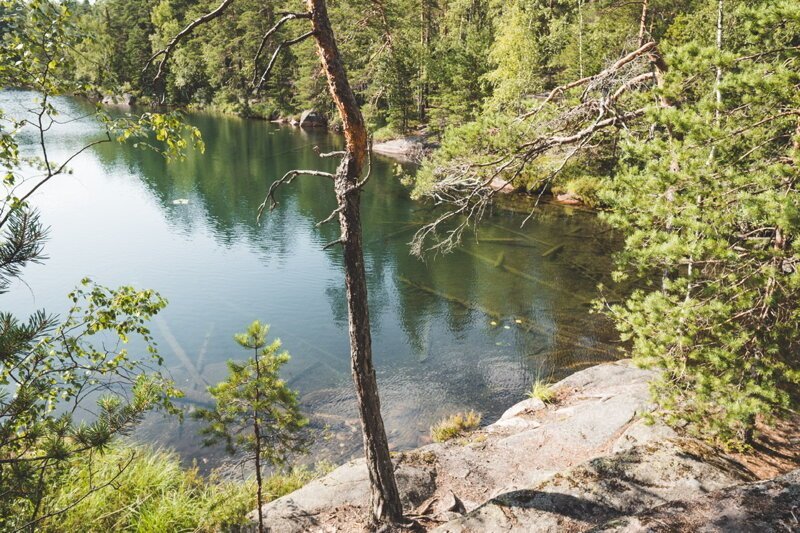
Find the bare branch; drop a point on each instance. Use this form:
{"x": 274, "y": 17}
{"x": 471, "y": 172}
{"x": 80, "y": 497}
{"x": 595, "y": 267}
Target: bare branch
{"x": 166, "y": 51}
{"x": 333, "y": 243}
{"x": 329, "y": 217}
{"x": 286, "y": 180}
{"x": 641, "y": 78}
{"x": 470, "y": 193}
{"x": 642, "y": 50}
{"x": 288, "y": 42}
{"x": 286, "y": 18}
{"x": 329, "y": 154}
{"x": 364, "y": 181}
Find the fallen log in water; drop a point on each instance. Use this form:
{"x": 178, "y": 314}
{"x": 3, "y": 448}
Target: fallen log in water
{"x": 406, "y": 229}
{"x": 522, "y": 235}
{"x": 553, "y": 251}
{"x": 524, "y": 243}
{"x": 201, "y": 355}
{"x": 529, "y": 326}
{"x": 450, "y": 298}
{"x": 186, "y": 362}
{"x": 517, "y": 272}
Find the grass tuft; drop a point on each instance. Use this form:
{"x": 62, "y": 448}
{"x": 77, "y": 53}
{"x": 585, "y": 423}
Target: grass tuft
{"x": 455, "y": 426}
{"x": 542, "y": 391}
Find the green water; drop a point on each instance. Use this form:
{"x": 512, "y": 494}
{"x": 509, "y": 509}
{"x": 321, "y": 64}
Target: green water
{"x": 469, "y": 330}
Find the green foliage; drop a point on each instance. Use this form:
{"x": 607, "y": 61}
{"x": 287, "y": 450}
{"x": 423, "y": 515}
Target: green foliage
{"x": 52, "y": 369}
{"x": 456, "y": 425}
{"x": 136, "y": 488}
{"x": 587, "y": 188}
{"x": 710, "y": 208}
{"x": 255, "y": 397}
{"x": 285, "y": 482}
{"x": 543, "y": 391}
{"x": 49, "y": 368}
{"x": 702, "y": 183}
{"x": 256, "y": 413}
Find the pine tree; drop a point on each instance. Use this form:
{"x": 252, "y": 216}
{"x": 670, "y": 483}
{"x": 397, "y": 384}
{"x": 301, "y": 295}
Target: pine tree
{"x": 255, "y": 412}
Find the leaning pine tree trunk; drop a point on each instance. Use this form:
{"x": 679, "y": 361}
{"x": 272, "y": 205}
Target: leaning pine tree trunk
{"x": 385, "y": 498}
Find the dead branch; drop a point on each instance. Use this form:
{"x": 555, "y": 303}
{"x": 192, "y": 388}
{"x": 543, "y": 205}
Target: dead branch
{"x": 166, "y": 51}
{"x": 470, "y": 193}
{"x": 333, "y": 243}
{"x": 360, "y": 184}
{"x": 589, "y": 80}
{"x": 286, "y": 18}
{"x": 329, "y": 217}
{"x": 364, "y": 181}
{"x": 286, "y": 180}
{"x": 641, "y": 78}
{"x": 288, "y": 42}
{"x": 329, "y": 154}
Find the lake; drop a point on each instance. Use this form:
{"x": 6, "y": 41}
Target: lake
{"x": 467, "y": 330}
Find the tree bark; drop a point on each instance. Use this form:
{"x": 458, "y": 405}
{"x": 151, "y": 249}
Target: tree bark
{"x": 257, "y": 435}
{"x": 385, "y": 499}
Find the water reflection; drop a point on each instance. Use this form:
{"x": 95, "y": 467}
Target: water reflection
{"x": 468, "y": 330}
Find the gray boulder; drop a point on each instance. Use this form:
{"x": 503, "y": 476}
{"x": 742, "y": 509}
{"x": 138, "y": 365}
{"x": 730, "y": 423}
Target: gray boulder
{"x": 122, "y": 100}
{"x": 312, "y": 119}
{"x": 410, "y": 148}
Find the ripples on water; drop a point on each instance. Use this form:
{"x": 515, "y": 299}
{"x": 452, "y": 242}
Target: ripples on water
{"x": 469, "y": 330}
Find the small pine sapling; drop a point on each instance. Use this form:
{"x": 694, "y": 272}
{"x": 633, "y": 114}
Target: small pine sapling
{"x": 254, "y": 411}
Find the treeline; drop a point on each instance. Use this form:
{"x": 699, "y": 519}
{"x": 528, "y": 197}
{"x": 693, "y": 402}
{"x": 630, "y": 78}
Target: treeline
{"x": 411, "y": 62}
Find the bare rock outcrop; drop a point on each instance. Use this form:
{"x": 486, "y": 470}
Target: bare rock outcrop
{"x": 586, "y": 461}
{"x": 764, "y": 506}
{"x": 603, "y": 489}
{"x": 412, "y": 148}
{"x": 598, "y": 411}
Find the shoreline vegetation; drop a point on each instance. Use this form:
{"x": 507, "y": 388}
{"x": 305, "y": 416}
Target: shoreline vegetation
{"x": 680, "y": 118}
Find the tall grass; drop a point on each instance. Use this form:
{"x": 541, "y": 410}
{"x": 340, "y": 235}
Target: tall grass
{"x": 142, "y": 489}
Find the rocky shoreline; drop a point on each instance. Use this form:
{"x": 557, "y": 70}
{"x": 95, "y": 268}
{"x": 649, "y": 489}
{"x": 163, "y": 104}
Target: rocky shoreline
{"x": 588, "y": 461}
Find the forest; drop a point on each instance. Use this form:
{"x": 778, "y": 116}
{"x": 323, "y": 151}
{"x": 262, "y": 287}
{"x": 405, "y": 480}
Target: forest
{"x": 676, "y": 124}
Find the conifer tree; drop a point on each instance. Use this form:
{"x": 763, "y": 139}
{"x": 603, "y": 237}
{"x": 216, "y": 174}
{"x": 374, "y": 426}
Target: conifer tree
{"x": 255, "y": 412}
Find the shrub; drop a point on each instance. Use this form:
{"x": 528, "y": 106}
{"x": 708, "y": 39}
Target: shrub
{"x": 386, "y": 133}
{"x": 455, "y": 426}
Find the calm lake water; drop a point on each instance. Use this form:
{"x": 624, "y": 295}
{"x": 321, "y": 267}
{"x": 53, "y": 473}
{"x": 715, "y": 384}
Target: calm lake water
{"x": 469, "y": 330}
